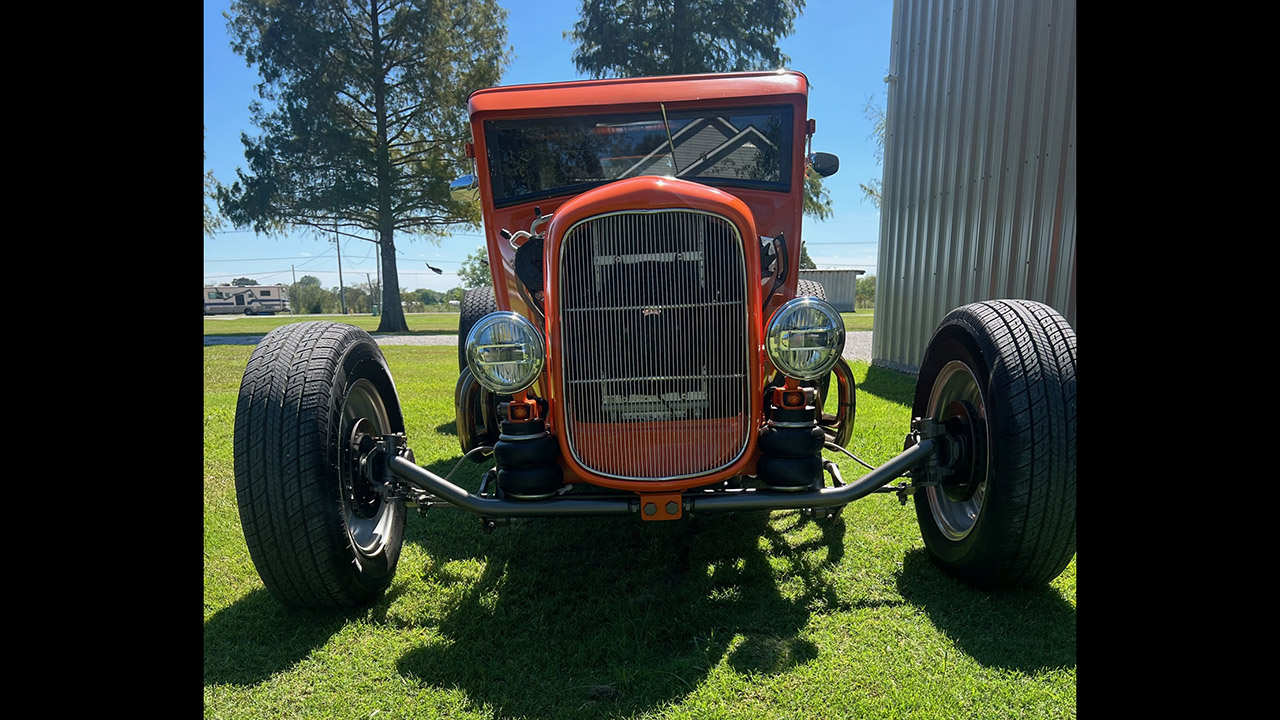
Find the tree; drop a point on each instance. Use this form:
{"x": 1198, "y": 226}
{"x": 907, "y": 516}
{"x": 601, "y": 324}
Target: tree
{"x": 871, "y": 188}
{"x": 635, "y": 38}
{"x": 357, "y": 300}
{"x": 212, "y": 221}
{"x": 244, "y": 282}
{"x": 410, "y": 301}
{"x": 817, "y": 203}
{"x": 474, "y": 272}
{"x": 631, "y": 38}
{"x": 806, "y": 262}
{"x": 362, "y": 117}
{"x": 866, "y": 293}
{"x": 307, "y": 296}
{"x": 430, "y": 297}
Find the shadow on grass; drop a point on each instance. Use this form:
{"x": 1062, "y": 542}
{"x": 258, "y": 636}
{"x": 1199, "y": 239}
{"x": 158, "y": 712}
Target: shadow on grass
{"x": 256, "y": 637}
{"x": 1024, "y": 630}
{"x": 889, "y": 385}
{"x": 617, "y": 614}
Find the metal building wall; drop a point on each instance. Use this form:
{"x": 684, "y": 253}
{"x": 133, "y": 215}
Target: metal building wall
{"x": 979, "y": 193}
{"x": 841, "y": 286}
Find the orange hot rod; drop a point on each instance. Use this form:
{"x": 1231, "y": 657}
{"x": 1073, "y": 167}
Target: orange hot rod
{"x": 647, "y": 350}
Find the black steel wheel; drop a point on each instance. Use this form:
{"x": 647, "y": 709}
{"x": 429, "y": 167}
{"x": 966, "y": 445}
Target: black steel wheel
{"x": 1005, "y": 371}
{"x": 476, "y": 304}
{"x": 318, "y": 531}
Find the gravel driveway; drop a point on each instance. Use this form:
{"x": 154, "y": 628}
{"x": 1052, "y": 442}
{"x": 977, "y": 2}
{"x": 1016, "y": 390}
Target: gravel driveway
{"x": 857, "y": 345}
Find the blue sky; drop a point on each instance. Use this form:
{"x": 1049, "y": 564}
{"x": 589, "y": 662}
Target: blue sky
{"x": 841, "y": 46}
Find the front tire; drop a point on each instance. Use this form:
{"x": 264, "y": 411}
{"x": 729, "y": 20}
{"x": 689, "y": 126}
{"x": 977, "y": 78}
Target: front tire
{"x": 813, "y": 288}
{"x": 473, "y": 430}
{"x": 1014, "y": 362}
{"x": 319, "y": 534}
{"x": 477, "y": 303}
{"x": 810, "y": 288}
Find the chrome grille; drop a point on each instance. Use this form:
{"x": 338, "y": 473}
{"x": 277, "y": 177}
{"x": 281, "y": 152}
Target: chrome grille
{"x": 654, "y": 343}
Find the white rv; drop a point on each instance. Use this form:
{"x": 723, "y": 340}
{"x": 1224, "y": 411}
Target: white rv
{"x": 249, "y": 300}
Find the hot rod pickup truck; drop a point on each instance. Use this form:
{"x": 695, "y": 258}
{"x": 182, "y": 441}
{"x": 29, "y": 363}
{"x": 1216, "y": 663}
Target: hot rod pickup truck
{"x": 647, "y": 351}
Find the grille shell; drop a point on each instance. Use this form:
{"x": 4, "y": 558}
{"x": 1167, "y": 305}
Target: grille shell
{"x": 655, "y": 367}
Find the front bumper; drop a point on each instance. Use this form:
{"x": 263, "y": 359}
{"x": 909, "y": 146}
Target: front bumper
{"x": 431, "y": 488}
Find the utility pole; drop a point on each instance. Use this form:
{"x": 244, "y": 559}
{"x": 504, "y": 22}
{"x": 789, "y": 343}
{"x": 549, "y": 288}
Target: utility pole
{"x": 293, "y": 310}
{"x": 371, "y": 298}
{"x": 342, "y": 294}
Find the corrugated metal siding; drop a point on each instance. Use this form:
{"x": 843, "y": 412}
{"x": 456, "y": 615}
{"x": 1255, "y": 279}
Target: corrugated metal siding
{"x": 979, "y": 196}
{"x": 841, "y": 286}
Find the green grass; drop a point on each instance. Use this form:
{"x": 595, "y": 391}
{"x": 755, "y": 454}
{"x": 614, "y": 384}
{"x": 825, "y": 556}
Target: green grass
{"x": 419, "y": 323}
{"x": 731, "y": 616}
{"x": 861, "y": 320}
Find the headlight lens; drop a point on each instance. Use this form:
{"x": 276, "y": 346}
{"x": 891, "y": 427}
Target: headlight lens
{"x": 805, "y": 338}
{"x": 505, "y": 352}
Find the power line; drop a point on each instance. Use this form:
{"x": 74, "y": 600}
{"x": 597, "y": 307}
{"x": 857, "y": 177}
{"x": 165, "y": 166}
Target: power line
{"x": 296, "y": 257}
{"x": 273, "y": 273}
{"x": 315, "y": 257}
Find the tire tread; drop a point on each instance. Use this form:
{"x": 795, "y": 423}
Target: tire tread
{"x": 1030, "y": 350}
{"x": 284, "y": 464}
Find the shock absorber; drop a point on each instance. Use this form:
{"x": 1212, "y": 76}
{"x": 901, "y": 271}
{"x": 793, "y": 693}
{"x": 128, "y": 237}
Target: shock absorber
{"x": 526, "y": 453}
{"x": 791, "y": 441}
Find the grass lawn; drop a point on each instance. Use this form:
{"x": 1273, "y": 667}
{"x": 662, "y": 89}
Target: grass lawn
{"x": 419, "y": 323}
{"x": 732, "y": 616}
{"x": 861, "y": 320}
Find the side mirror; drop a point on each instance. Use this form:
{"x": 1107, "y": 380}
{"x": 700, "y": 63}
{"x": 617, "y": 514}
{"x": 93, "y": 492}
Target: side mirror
{"x": 825, "y": 164}
{"x": 465, "y": 189}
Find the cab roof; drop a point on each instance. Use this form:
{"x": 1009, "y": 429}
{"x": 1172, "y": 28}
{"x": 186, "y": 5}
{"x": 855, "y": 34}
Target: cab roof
{"x": 631, "y": 91}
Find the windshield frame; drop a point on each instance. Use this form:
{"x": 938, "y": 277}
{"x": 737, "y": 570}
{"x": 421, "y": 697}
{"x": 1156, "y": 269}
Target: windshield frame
{"x": 680, "y": 119}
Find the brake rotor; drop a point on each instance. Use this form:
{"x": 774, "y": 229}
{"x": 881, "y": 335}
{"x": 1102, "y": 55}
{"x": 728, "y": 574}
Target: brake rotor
{"x": 968, "y": 461}
{"x": 356, "y": 485}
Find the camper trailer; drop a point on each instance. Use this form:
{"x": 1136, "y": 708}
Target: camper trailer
{"x": 247, "y": 300}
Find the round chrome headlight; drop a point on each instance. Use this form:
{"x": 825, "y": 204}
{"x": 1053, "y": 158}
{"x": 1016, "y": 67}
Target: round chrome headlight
{"x": 805, "y": 338}
{"x": 505, "y": 352}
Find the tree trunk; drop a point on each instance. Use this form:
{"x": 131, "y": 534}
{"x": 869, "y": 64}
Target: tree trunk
{"x": 679, "y": 55}
{"x": 392, "y": 317}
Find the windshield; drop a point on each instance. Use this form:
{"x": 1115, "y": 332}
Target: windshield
{"x": 745, "y": 147}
